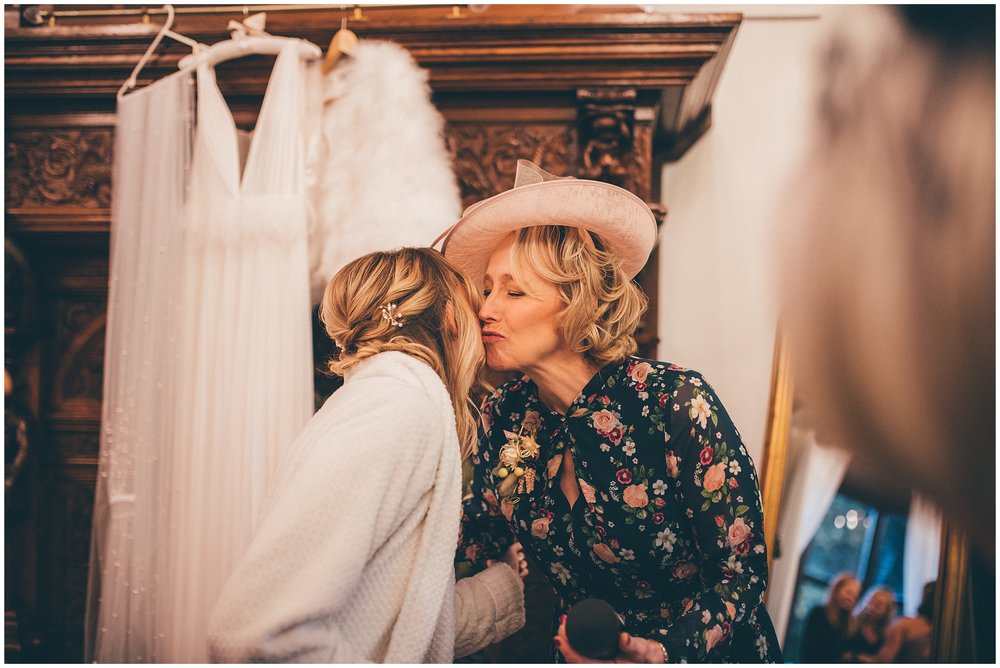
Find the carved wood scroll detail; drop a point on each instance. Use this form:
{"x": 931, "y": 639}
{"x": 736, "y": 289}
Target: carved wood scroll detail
{"x": 615, "y": 144}
{"x": 59, "y": 168}
{"x": 78, "y": 385}
{"x": 485, "y": 156}
{"x": 607, "y": 119}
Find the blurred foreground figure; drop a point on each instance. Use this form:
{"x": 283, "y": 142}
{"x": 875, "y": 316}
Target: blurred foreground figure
{"x": 890, "y": 262}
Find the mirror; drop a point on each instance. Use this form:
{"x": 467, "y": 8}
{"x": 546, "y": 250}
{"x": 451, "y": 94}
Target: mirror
{"x": 955, "y": 625}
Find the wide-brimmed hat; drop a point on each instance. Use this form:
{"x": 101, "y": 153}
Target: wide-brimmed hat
{"x": 624, "y": 223}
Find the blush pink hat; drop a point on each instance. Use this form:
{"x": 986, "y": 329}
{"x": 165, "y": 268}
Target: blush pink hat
{"x": 624, "y": 223}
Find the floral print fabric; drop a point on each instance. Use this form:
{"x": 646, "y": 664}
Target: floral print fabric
{"x": 668, "y": 526}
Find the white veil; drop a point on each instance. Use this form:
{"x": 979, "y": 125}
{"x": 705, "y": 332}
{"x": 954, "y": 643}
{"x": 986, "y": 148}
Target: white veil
{"x": 151, "y": 159}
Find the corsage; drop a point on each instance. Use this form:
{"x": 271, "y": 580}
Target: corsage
{"x": 515, "y": 476}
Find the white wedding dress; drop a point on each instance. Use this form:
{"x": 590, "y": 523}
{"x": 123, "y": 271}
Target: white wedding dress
{"x": 235, "y": 367}
{"x": 245, "y": 372}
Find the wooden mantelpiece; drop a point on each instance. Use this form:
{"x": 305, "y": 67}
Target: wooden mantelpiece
{"x": 599, "y": 92}
{"x": 674, "y": 59}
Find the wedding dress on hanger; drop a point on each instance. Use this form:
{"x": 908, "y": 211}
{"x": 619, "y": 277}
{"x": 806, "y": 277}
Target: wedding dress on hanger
{"x": 200, "y": 403}
{"x": 245, "y": 371}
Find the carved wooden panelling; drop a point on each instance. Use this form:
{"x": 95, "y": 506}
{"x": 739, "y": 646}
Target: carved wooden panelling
{"x": 71, "y": 560}
{"x": 78, "y": 499}
{"x": 485, "y": 155}
{"x": 80, "y": 340}
{"x": 638, "y": 166}
{"x": 61, "y": 167}
{"x": 81, "y": 442}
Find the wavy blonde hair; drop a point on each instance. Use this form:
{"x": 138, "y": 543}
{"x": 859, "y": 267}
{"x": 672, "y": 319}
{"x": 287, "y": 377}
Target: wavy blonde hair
{"x": 438, "y": 308}
{"x": 603, "y": 306}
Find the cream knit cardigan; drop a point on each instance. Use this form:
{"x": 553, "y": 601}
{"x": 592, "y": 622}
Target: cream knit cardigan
{"x": 353, "y": 558}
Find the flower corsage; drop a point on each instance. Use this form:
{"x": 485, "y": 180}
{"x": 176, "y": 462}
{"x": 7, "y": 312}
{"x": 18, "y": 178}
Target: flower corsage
{"x": 516, "y": 477}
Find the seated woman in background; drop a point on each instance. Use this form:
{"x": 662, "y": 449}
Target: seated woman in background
{"x": 909, "y": 639}
{"x": 352, "y": 560}
{"x": 625, "y": 478}
{"x": 830, "y": 626}
{"x": 875, "y": 613}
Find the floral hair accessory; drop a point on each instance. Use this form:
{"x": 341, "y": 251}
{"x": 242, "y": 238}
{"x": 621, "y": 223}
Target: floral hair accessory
{"x": 516, "y": 478}
{"x": 389, "y": 313}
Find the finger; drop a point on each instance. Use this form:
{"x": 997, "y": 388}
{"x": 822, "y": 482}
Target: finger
{"x": 632, "y": 649}
{"x": 568, "y": 652}
{"x": 490, "y": 562}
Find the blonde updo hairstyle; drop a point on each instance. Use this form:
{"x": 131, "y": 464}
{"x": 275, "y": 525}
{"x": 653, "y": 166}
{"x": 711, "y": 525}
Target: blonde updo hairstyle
{"x": 427, "y": 292}
{"x": 603, "y": 305}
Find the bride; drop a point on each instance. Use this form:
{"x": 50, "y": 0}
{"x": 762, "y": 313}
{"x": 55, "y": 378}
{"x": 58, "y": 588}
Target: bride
{"x": 352, "y": 560}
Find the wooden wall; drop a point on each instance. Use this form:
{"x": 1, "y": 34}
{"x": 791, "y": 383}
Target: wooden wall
{"x": 598, "y": 92}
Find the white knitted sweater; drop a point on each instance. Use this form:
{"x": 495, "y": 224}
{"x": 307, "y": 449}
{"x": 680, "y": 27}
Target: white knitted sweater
{"x": 353, "y": 558}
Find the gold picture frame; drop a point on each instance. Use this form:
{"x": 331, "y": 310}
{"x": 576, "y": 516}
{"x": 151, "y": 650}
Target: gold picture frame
{"x": 952, "y": 617}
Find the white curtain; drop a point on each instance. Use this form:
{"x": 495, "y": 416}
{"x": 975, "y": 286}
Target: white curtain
{"x": 922, "y": 550}
{"x": 130, "y": 522}
{"x": 814, "y": 474}
{"x": 208, "y": 372}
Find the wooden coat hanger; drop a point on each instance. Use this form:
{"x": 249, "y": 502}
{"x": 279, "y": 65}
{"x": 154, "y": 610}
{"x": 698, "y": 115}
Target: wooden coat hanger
{"x": 165, "y": 31}
{"x": 344, "y": 43}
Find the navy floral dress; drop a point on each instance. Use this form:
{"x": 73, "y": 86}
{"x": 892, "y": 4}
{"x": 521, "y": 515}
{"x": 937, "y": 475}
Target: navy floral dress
{"x": 668, "y": 527}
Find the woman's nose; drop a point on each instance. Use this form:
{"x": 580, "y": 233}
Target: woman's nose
{"x": 487, "y": 312}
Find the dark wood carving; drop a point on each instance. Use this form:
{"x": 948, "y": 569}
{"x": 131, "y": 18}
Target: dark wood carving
{"x": 59, "y": 168}
{"x": 77, "y": 441}
{"x": 485, "y": 155}
{"x": 65, "y": 558}
{"x": 78, "y": 382}
{"x": 607, "y": 121}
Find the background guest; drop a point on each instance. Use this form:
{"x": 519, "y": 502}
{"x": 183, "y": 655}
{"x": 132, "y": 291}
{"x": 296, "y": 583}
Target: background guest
{"x": 875, "y": 613}
{"x": 830, "y": 626}
{"x": 909, "y": 638}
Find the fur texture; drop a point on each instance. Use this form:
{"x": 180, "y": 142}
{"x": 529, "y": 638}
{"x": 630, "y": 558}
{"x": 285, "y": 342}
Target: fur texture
{"x": 385, "y": 179}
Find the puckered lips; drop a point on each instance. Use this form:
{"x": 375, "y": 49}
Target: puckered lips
{"x": 490, "y": 336}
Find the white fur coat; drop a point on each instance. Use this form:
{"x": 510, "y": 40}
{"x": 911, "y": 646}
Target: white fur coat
{"x": 384, "y": 178}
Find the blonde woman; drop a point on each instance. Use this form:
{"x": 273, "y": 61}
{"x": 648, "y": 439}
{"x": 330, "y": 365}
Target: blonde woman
{"x": 829, "y": 626}
{"x": 909, "y": 638}
{"x": 874, "y": 616}
{"x": 624, "y": 478}
{"x": 352, "y": 560}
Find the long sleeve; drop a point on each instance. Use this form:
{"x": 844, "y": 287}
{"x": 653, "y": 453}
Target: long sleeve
{"x": 362, "y": 477}
{"x": 716, "y": 485}
{"x": 489, "y": 606}
{"x": 485, "y": 532}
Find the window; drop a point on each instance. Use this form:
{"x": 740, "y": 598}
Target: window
{"x": 855, "y": 537}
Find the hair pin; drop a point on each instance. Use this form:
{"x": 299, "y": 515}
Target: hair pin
{"x": 389, "y": 313}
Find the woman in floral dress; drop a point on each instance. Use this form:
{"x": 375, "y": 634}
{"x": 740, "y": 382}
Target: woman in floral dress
{"x": 624, "y": 478}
